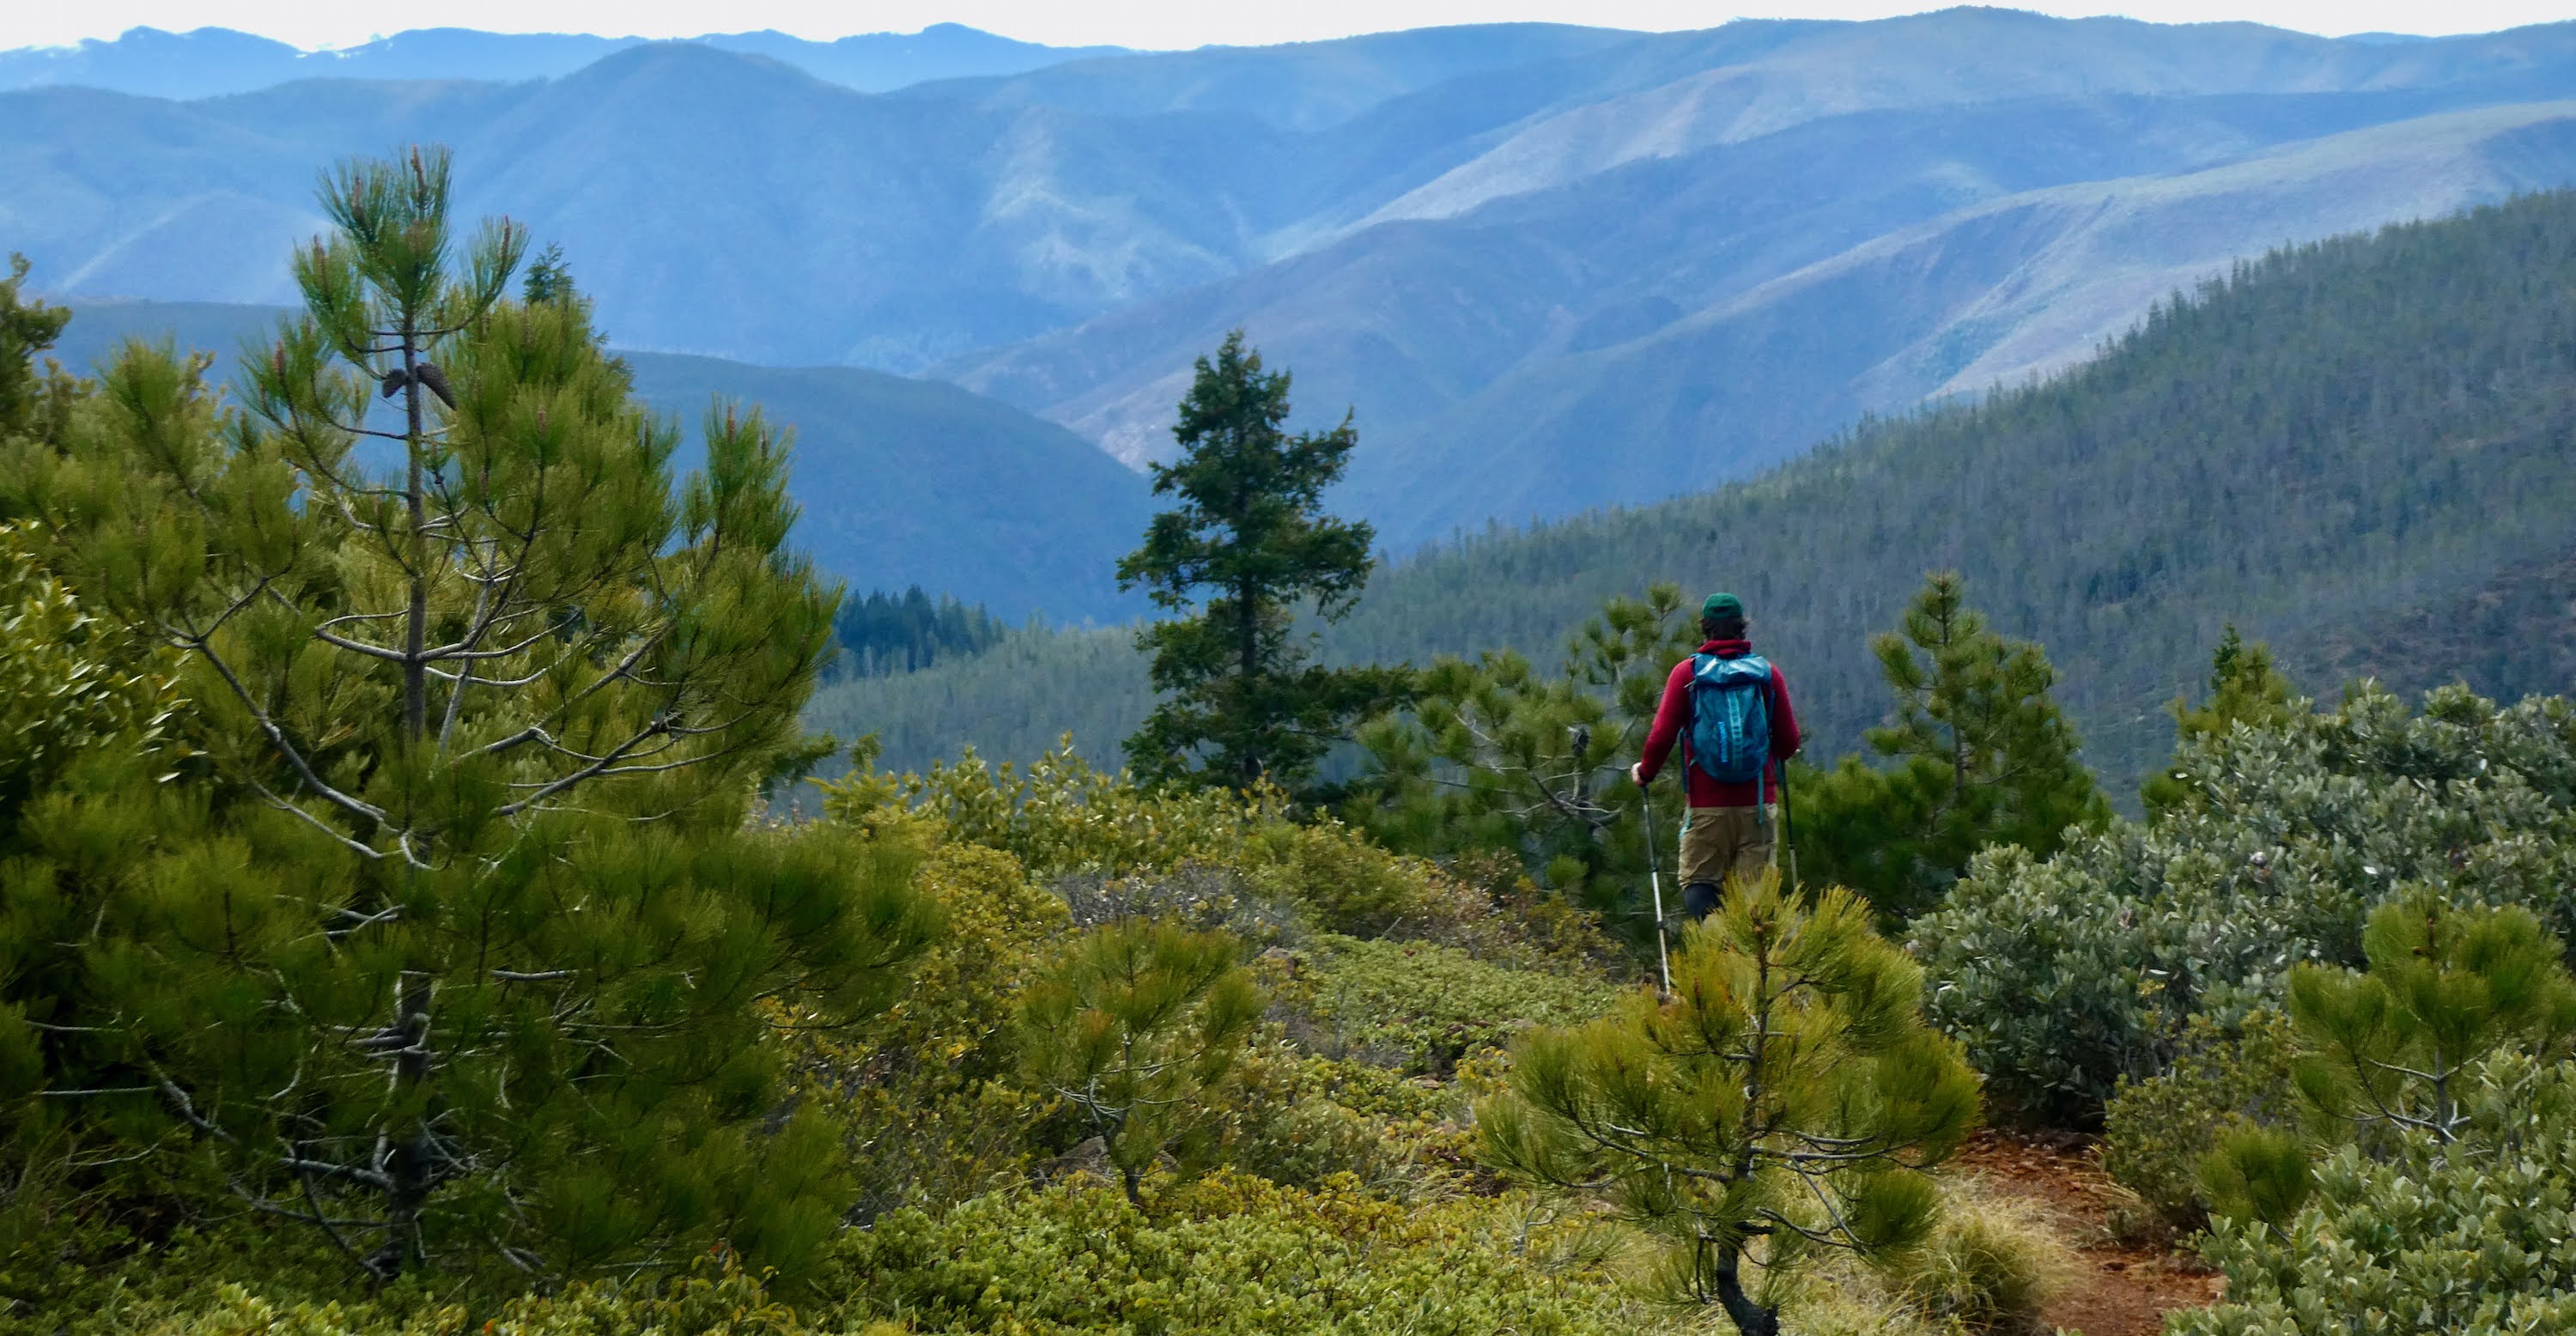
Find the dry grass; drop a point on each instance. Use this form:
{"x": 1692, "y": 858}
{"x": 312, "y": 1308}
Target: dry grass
{"x": 1991, "y": 1266}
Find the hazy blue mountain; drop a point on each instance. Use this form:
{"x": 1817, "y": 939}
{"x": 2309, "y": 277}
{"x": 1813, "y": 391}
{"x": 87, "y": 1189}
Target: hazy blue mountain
{"x": 1677, "y": 322}
{"x": 902, "y": 481}
{"x": 1298, "y": 86}
{"x": 157, "y": 63}
{"x": 1549, "y": 267}
{"x": 212, "y": 61}
{"x": 916, "y": 482}
{"x": 792, "y": 221}
{"x": 1746, "y": 80}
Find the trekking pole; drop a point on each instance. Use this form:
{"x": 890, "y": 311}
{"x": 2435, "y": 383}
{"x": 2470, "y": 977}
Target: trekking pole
{"x": 1655, "y": 879}
{"x": 1785, "y": 842}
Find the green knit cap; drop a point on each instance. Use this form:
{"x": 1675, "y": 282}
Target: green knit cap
{"x": 1720, "y": 607}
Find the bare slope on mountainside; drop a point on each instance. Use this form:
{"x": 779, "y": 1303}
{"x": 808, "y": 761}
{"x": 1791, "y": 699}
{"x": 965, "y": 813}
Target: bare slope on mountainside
{"x": 901, "y": 482}
{"x": 2363, "y": 451}
{"x": 1994, "y": 295}
{"x": 1409, "y": 320}
{"x": 1550, "y": 354}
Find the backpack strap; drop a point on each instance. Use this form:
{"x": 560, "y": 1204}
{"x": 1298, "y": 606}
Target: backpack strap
{"x": 1762, "y": 776}
{"x": 1690, "y": 720}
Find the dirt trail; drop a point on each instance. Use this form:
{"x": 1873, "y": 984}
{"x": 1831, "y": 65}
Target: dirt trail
{"x": 2116, "y": 1291}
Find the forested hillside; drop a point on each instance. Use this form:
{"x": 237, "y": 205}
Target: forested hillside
{"x": 2359, "y": 450}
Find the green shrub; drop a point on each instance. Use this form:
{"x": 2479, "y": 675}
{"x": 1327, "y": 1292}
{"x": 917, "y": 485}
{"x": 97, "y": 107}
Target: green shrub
{"x": 1300, "y": 1118}
{"x": 1420, "y": 1007}
{"x": 2155, "y": 1132}
{"x": 1137, "y": 1027}
{"x": 714, "y": 1296}
{"x": 1211, "y": 897}
{"x": 2468, "y": 1240}
{"x": 1340, "y": 881}
{"x": 1215, "y": 860}
{"x": 69, "y": 681}
{"x": 1307, "y": 1142}
{"x": 2442, "y": 1073}
{"x": 924, "y": 1097}
{"x": 2064, "y": 975}
{"x": 1229, "y": 1256}
{"x": 1059, "y": 816}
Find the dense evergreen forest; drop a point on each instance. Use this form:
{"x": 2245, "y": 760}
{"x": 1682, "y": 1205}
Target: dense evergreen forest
{"x": 401, "y": 934}
{"x": 2357, "y": 450}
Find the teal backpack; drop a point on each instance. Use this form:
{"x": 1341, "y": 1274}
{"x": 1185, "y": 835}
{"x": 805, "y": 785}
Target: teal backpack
{"x": 1730, "y": 734}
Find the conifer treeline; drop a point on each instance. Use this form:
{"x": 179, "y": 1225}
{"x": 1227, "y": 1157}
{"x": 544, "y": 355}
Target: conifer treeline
{"x": 902, "y": 633}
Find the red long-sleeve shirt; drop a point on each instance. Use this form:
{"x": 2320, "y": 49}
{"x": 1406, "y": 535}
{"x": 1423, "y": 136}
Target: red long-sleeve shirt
{"x": 1672, "y": 725}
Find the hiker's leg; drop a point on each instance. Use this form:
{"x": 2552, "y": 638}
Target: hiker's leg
{"x": 1706, "y": 851}
{"x": 1758, "y": 844}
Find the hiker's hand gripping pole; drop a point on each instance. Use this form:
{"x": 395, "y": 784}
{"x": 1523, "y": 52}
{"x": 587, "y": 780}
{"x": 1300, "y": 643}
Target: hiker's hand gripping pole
{"x": 1654, "y": 877}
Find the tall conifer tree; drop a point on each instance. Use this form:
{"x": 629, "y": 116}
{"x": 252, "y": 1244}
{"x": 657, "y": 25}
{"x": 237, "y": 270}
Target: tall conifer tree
{"x": 33, "y": 398}
{"x": 1247, "y": 547}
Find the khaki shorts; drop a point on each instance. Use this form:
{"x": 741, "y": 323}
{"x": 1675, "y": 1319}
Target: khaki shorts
{"x": 1719, "y": 842}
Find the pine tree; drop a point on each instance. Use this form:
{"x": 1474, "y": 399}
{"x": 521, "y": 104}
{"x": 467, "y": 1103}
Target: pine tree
{"x": 33, "y": 400}
{"x": 2445, "y": 987}
{"x": 463, "y": 946}
{"x": 2430, "y": 1179}
{"x": 1786, "y": 1097}
{"x": 2393, "y": 1050}
{"x": 1241, "y": 705}
{"x": 549, "y": 278}
{"x": 1980, "y": 755}
{"x": 1495, "y": 756}
{"x": 2244, "y": 688}
{"x": 76, "y": 692}
{"x": 1137, "y": 1027}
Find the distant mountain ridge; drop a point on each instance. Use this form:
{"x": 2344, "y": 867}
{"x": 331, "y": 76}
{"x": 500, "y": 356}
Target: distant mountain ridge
{"x": 1548, "y": 267}
{"x": 212, "y": 62}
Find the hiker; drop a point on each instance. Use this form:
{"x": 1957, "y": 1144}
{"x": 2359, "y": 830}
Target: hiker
{"x": 1729, "y": 708}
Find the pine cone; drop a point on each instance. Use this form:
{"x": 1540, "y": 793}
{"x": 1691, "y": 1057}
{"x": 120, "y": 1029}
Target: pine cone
{"x": 435, "y": 381}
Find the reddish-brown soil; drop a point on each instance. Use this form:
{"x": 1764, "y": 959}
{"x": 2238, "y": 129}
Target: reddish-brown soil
{"x": 2117, "y": 1290}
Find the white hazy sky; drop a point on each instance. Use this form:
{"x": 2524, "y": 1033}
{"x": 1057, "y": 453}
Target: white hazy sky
{"x": 1151, "y": 23}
